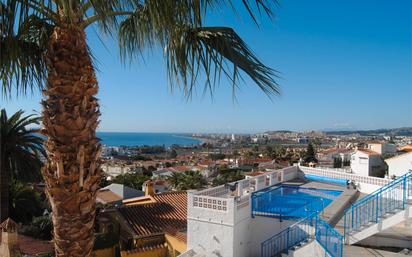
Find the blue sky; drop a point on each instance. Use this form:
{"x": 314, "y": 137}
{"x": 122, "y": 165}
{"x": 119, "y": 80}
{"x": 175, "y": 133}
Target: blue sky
{"x": 343, "y": 65}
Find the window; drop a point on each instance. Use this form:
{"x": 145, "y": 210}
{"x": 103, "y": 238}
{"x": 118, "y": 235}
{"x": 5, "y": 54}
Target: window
{"x": 363, "y": 160}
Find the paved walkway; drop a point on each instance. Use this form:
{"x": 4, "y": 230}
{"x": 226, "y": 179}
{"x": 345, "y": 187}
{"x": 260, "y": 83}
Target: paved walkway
{"x": 357, "y": 251}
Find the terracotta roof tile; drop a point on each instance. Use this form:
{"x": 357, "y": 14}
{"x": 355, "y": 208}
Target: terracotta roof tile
{"x": 8, "y": 225}
{"x": 255, "y": 173}
{"x": 107, "y": 196}
{"x": 147, "y": 248}
{"x": 368, "y": 152}
{"x": 32, "y": 246}
{"x": 169, "y": 210}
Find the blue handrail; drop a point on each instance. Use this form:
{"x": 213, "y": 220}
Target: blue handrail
{"x": 330, "y": 239}
{"x": 370, "y": 209}
{"x": 312, "y": 226}
{"x": 289, "y": 237}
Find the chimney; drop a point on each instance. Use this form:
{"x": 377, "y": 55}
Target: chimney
{"x": 9, "y": 246}
{"x": 149, "y": 187}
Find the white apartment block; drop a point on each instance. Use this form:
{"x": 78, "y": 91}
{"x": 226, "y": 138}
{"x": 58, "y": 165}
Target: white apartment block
{"x": 399, "y": 165}
{"x": 363, "y": 161}
{"x": 382, "y": 148}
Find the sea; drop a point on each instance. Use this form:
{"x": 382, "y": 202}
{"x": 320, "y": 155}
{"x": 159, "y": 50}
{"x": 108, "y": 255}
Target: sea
{"x": 151, "y": 139}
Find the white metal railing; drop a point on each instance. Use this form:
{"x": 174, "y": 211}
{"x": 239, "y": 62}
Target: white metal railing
{"x": 331, "y": 173}
{"x": 214, "y": 191}
{"x": 216, "y": 198}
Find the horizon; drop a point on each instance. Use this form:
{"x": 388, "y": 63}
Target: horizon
{"x": 258, "y": 132}
{"x": 337, "y": 72}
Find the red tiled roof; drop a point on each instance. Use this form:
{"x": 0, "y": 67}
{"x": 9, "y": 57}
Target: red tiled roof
{"x": 179, "y": 235}
{"x": 180, "y": 168}
{"x": 335, "y": 150}
{"x": 368, "y": 152}
{"x": 147, "y": 248}
{"x": 376, "y": 142}
{"x": 168, "y": 211}
{"x": 32, "y": 246}
{"x": 107, "y": 196}
{"x": 205, "y": 163}
{"x": 255, "y": 173}
{"x": 8, "y": 225}
{"x": 406, "y": 147}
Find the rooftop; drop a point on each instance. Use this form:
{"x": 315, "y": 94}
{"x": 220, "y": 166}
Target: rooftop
{"x": 168, "y": 213}
{"x": 368, "y": 151}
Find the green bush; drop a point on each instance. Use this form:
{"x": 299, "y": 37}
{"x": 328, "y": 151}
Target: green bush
{"x": 24, "y": 203}
{"x": 40, "y": 228}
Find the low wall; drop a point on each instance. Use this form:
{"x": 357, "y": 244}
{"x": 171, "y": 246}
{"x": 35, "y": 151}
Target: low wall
{"x": 365, "y": 184}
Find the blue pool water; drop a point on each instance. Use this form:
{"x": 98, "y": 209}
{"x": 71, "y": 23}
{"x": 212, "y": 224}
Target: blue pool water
{"x": 292, "y": 201}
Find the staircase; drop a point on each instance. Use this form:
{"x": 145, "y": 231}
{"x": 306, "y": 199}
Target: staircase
{"x": 308, "y": 228}
{"x": 386, "y": 207}
{"x": 302, "y": 233}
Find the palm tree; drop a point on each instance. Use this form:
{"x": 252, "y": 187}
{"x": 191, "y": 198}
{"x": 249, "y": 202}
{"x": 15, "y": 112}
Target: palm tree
{"x": 191, "y": 180}
{"x": 43, "y": 43}
{"x": 175, "y": 179}
{"x": 20, "y": 153}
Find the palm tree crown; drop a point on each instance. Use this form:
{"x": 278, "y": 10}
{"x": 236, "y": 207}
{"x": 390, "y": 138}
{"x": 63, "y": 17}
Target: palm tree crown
{"x": 177, "y": 26}
{"x": 20, "y": 152}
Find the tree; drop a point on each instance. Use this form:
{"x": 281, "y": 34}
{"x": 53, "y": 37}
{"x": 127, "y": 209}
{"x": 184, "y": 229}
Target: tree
{"x": 20, "y": 153}
{"x": 174, "y": 179}
{"x": 133, "y": 180}
{"x": 24, "y": 202}
{"x": 269, "y": 151}
{"x": 310, "y": 154}
{"x": 227, "y": 175}
{"x": 190, "y": 180}
{"x": 337, "y": 162}
{"x": 45, "y": 41}
{"x": 173, "y": 154}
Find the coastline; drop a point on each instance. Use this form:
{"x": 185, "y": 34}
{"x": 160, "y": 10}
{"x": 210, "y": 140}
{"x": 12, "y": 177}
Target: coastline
{"x": 132, "y": 139}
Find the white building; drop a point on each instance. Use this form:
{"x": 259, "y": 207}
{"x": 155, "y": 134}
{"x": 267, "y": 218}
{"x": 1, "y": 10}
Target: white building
{"x": 382, "y": 147}
{"x": 400, "y": 164}
{"x": 220, "y": 221}
{"x": 113, "y": 169}
{"x": 157, "y": 186}
{"x": 364, "y": 161}
{"x": 326, "y": 157}
{"x": 162, "y": 173}
{"x": 226, "y": 221}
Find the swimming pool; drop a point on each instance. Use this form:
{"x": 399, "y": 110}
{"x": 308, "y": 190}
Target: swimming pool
{"x": 291, "y": 201}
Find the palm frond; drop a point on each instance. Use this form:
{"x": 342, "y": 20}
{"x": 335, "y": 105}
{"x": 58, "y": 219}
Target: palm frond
{"x": 23, "y": 39}
{"x": 191, "y": 49}
{"x": 21, "y": 145}
{"x": 215, "y": 51}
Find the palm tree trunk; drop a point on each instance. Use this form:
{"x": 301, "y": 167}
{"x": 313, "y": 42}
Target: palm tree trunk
{"x": 4, "y": 186}
{"x": 70, "y": 117}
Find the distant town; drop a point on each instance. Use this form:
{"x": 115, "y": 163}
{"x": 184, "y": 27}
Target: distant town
{"x": 243, "y": 153}
{"x": 180, "y": 190}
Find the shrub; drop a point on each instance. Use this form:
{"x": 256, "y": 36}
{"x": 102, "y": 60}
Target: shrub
{"x": 24, "y": 202}
{"x": 40, "y": 228}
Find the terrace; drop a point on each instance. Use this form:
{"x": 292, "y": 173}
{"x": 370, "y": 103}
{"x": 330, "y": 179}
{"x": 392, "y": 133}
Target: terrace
{"x": 271, "y": 213}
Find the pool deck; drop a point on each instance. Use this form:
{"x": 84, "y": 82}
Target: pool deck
{"x": 358, "y": 251}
